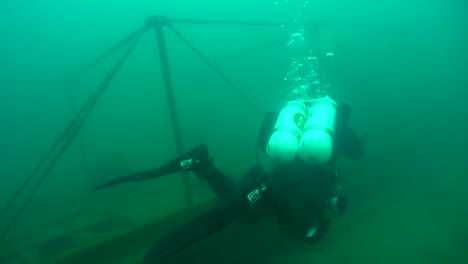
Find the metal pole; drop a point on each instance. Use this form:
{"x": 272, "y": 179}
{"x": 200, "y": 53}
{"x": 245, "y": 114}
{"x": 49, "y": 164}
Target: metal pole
{"x": 106, "y": 54}
{"x": 220, "y": 74}
{"x": 171, "y": 102}
{"x": 231, "y": 22}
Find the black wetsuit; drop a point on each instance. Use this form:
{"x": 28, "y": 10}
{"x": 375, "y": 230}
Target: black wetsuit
{"x": 287, "y": 187}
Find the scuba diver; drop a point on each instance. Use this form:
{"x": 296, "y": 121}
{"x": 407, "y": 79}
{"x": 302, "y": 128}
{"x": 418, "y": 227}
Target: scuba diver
{"x": 300, "y": 187}
{"x": 299, "y": 181}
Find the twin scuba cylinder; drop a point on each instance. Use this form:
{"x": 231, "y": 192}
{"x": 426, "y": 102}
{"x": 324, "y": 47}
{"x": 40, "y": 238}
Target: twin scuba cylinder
{"x": 305, "y": 129}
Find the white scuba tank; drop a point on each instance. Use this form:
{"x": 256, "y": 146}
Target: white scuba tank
{"x": 283, "y": 144}
{"x": 316, "y": 143}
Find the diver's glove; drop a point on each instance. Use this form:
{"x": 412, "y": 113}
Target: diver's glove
{"x": 195, "y": 159}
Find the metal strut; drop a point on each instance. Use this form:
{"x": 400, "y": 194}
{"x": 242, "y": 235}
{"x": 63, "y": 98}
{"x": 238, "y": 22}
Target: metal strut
{"x": 158, "y": 23}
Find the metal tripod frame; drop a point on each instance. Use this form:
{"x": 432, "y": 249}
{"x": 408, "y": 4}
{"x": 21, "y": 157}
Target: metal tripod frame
{"x": 158, "y": 23}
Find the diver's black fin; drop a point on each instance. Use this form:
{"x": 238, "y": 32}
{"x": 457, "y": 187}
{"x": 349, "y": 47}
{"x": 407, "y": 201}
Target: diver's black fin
{"x": 215, "y": 220}
{"x": 131, "y": 178}
{"x": 188, "y": 234}
{"x": 187, "y": 161}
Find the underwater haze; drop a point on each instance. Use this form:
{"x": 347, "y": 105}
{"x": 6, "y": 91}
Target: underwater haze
{"x": 400, "y": 65}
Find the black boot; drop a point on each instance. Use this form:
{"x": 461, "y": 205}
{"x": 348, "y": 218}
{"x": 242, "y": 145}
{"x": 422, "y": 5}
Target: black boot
{"x": 198, "y": 161}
